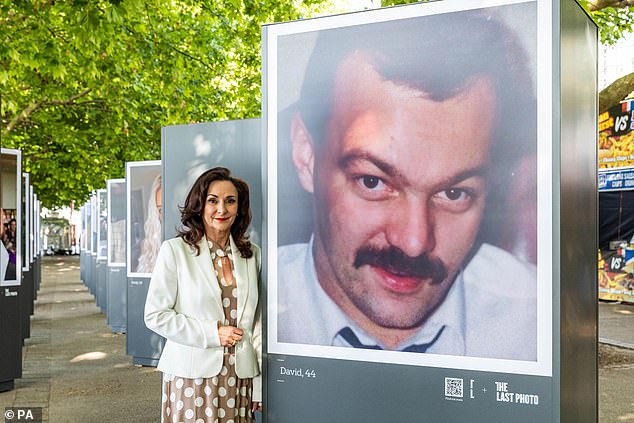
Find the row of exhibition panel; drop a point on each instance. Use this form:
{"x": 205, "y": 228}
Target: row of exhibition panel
{"x": 124, "y": 223}
{"x": 20, "y": 263}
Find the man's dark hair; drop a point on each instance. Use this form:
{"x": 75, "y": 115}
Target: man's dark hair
{"x": 438, "y": 54}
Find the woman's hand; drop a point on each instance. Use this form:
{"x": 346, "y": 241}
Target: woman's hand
{"x": 229, "y": 335}
{"x": 256, "y": 406}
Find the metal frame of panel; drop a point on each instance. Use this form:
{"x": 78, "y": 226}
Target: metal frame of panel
{"x": 18, "y": 215}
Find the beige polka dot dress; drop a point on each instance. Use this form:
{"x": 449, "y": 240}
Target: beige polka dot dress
{"x": 223, "y": 398}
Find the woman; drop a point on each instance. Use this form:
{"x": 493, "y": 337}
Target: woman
{"x": 4, "y": 254}
{"x": 152, "y": 229}
{"x": 9, "y": 239}
{"x": 203, "y": 297}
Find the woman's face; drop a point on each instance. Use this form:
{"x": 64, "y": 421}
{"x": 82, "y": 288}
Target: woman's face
{"x": 221, "y": 208}
{"x": 158, "y": 198}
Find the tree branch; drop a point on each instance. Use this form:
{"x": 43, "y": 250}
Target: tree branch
{"x": 169, "y": 45}
{"x": 28, "y": 111}
{"x": 594, "y": 5}
{"x": 615, "y": 92}
{"x": 69, "y": 101}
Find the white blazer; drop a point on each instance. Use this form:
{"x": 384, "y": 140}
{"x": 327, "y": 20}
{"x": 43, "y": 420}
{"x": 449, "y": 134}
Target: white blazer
{"x": 184, "y": 305}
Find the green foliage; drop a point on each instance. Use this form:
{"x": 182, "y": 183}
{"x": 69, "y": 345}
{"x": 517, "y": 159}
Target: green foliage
{"x": 613, "y": 23}
{"x": 386, "y": 3}
{"x": 87, "y": 84}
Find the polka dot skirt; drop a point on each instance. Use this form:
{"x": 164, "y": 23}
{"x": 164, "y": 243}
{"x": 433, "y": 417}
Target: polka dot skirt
{"x": 220, "y": 399}
{"x": 224, "y": 398}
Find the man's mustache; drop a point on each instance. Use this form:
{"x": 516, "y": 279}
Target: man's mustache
{"x": 393, "y": 260}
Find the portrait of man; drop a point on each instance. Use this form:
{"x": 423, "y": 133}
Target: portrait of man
{"x": 414, "y": 141}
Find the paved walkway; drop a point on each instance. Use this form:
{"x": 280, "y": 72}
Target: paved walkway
{"x": 616, "y": 362}
{"x": 76, "y": 368}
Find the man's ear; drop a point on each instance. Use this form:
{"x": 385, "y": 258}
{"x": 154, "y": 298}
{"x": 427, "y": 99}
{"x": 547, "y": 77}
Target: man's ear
{"x": 303, "y": 152}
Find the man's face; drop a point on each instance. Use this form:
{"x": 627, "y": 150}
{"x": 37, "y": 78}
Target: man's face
{"x": 13, "y": 225}
{"x": 399, "y": 192}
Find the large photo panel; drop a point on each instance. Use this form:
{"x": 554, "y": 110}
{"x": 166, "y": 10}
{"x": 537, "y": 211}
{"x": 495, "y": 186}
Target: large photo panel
{"x": 102, "y": 224}
{"x": 190, "y": 150}
{"x": 116, "y": 222}
{"x": 10, "y": 217}
{"x": 31, "y": 222}
{"x": 88, "y": 226}
{"x": 94, "y": 224}
{"x": 27, "y": 218}
{"x": 37, "y": 225}
{"x": 144, "y": 208}
{"x": 403, "y": 188}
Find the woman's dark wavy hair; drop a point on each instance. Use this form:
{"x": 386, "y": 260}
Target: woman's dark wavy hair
{"x": 193, "y": 228}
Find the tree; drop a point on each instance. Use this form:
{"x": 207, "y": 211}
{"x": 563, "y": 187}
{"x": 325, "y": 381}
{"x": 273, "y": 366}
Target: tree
{"x": 615, "y": 18}
{"x": 87, "y": 84}
{"x": 614, "y": 93}
{"x": 613, "y": 22}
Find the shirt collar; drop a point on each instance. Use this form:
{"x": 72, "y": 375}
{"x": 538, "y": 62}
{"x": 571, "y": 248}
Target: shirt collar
{"x": 449, "y": 315}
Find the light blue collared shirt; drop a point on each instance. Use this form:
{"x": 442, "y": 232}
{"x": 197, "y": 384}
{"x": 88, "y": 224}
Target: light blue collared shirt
{"x": 489, "y": 311}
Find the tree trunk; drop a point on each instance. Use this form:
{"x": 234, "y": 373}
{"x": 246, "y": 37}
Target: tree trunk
{"x": 615, "y": 92}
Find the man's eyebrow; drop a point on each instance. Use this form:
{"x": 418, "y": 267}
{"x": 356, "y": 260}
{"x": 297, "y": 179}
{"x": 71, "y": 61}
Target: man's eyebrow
{"x": 476, "y": 172}
{"x": 357, "y": 155}
{"x": 353, "y": 155}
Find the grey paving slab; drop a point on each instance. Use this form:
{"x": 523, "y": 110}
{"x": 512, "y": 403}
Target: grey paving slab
{"x": 616, "y": 324}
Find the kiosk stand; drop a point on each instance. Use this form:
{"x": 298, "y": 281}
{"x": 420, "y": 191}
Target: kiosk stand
{"x": 94, "y": 219}
{"x": 142, "y": 233}
{"x": 27, "y": 287}
{"x": 101, "y": 287}
{"x": 116, "y": 269}
{"x": 369, "y": 136}
{"x": 11, "y": 315}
